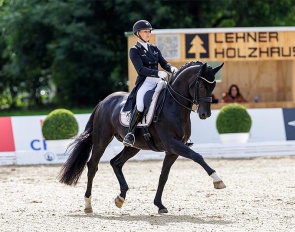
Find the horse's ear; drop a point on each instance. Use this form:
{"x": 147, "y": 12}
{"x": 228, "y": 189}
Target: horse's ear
{"x": 216, "y": 69}
{"x": 204, "y": 68}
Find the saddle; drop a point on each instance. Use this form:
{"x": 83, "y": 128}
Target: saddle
{"x": 153, "y": 104}
{"x": 153, "y": 99}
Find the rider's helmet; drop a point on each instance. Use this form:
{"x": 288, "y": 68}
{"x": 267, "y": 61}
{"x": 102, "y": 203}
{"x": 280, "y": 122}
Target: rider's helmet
{"x": 141, "y": 25}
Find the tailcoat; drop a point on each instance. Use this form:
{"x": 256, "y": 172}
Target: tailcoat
{"x": 146, "y": 64}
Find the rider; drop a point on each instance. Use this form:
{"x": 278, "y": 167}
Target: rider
{"x": 145, "y": 58}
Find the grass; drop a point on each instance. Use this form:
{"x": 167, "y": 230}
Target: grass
{"x": 44, "y": 111}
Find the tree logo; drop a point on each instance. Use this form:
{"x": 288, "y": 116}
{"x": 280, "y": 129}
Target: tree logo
{"x": 196, "y": 46}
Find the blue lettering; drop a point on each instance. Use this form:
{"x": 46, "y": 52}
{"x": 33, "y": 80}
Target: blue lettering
{"x": 33, "y": 146}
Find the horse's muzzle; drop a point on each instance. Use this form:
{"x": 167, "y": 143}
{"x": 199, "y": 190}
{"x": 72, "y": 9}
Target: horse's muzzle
{"x": 204, "y": 112}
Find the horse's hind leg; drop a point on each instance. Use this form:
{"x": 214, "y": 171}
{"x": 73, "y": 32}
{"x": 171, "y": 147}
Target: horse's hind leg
{"x": 167, "y": 164}
{"x": 117, "y": 163}
{"x": 97, "y": 152}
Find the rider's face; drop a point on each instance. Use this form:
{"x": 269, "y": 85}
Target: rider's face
{"x": 145, "y": 35}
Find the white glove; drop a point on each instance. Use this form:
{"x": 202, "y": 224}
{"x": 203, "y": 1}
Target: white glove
{"x": 162, "y": 75}
{"x": 173, "y": 69}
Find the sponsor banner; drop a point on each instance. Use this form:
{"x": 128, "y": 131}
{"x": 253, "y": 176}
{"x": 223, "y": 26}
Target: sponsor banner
{"x": 27, "y": 131}
{"x": 263, "y": 127}
{"x": 267, "y": 125}
{"x": 40, "y": 157}
{"x": 7, "y": 158}
{"x": 56, "y": 156}
{"x": 289, "y": 123}
{"x": 30, "y": 147}
{"x": 240, "y": 45}
{"x": 6, "y": 135}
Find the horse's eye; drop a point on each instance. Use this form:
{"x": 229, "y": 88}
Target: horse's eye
{"x": 201, "y": 86}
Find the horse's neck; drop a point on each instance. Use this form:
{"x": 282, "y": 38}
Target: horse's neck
{"x": 181, "y": 83}
{"x": 179, "y": 94}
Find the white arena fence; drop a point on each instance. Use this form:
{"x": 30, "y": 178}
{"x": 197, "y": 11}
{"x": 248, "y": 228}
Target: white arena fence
{"x": 272, "y": 134}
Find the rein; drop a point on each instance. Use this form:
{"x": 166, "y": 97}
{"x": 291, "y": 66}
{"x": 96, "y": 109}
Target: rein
{"x": 196, "y": 99}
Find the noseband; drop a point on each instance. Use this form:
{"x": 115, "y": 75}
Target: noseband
{"x": 196, "y": 99}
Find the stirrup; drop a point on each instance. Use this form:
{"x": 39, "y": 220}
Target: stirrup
{"x": 128, "y": 142}
{"x": 189, "y": 143}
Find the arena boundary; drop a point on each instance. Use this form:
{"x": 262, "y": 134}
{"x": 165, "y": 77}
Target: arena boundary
{"x": 219, "y": 150}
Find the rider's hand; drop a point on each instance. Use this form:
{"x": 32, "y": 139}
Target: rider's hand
{"x": 162, "y": 75}
{"x": 173, "y": 69}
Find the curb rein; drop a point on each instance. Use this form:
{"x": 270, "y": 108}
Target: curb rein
{"x": 196, "y": 99}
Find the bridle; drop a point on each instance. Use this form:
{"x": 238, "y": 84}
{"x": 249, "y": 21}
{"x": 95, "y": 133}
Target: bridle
{"x": 197, "y": 99}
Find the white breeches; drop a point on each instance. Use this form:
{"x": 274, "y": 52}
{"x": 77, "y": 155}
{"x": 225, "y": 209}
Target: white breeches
{"x": 148, "y": 84}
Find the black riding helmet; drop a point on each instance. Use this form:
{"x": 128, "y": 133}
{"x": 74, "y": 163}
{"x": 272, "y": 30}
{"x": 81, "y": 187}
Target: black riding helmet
{"x": 141, "y": 25}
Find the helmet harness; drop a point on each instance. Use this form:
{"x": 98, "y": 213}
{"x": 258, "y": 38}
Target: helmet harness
{"x": 141, "y": 25}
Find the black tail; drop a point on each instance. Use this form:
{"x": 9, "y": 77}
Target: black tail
{"x": 79, "y": 151}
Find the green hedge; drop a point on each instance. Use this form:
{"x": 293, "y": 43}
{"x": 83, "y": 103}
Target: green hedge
{"x": 233, "y": 118}
{"x": 60, "y": 124}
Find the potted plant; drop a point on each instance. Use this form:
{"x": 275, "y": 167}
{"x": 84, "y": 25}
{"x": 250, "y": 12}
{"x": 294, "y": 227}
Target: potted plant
{"x": 233, "y": 123}
{"x": 58, "y": 129}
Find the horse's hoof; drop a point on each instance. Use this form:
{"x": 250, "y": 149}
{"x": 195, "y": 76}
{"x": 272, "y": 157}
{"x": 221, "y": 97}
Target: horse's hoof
{"x": 219, "y": 185}
{"x": 88, "y": 210}
{"x": 88, "y": 207}
{"x": 119, "y": 201}
{"x": 161, "y": 211}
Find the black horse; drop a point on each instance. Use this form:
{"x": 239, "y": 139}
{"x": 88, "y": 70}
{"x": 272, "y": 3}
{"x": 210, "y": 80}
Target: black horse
{"x": 192, "y": 84}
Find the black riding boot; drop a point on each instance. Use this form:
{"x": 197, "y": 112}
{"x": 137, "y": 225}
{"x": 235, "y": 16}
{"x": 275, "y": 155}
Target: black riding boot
{"x": 129, "y": 138}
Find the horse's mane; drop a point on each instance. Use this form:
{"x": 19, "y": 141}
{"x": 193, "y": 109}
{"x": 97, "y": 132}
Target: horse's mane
{"x": 185, "y": 66}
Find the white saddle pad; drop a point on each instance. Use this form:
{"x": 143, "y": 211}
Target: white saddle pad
{"x": 125, "y": 116}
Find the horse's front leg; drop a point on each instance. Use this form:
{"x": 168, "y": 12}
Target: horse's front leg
{"x": 182, "y": 150}
{"x": 167, "y": 164}
{"x": 117, "y": 163}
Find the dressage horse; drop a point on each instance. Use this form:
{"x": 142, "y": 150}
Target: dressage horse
{"x": 192, "y": 84}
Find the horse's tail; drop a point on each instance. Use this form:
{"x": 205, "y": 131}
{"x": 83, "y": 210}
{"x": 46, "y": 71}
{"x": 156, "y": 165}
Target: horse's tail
{"x": 79, "y": 151}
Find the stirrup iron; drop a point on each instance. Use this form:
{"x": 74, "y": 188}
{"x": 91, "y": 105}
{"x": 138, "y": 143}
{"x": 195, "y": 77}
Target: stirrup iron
{"x": 128, "y": 142}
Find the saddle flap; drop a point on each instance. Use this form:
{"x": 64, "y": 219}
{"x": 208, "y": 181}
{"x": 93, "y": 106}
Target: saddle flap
{"x": 150, "y": 103}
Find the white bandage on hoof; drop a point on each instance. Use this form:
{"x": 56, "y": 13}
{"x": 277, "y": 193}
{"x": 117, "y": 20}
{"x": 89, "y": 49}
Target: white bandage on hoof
{"x": 215, "y": 177}
{"x": 88, "y": 207}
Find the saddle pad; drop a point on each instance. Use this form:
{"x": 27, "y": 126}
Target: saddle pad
{"x": 146, "y": 121}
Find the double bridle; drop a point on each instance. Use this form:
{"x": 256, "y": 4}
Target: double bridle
{"x": 196, "y": 99}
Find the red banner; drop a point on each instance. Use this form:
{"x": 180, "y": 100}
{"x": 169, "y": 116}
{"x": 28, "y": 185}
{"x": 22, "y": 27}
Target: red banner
{"x": 6, "y": 135}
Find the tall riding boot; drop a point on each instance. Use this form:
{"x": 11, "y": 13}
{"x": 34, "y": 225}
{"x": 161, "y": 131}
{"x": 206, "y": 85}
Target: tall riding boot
{"x": 129, "y": 138}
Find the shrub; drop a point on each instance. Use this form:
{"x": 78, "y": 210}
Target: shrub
{"x": 233, "y": 118}
{"x": 60, "y": 124}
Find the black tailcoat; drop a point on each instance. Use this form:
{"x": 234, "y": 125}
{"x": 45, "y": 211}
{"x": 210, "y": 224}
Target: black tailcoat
{"x": 146, "y": 64}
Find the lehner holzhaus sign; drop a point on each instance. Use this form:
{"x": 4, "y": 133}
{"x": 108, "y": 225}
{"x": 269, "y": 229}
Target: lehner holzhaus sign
{"x": 228, "y": 44}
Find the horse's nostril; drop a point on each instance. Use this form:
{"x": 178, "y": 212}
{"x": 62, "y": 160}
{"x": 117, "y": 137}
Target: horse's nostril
{"x": 203, "y": 116}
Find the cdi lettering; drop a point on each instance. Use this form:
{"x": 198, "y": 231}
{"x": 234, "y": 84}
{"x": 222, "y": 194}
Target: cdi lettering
{"x": 38, "y": 144}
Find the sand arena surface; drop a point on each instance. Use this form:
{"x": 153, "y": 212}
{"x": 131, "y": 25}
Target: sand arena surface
{"x": 260, "y": 196}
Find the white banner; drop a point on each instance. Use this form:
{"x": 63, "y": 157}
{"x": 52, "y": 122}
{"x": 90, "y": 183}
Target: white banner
{"x": 30, "y": 147}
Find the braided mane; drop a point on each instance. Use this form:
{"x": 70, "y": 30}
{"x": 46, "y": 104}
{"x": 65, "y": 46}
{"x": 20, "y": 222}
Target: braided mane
{"x": 185, "y": 66}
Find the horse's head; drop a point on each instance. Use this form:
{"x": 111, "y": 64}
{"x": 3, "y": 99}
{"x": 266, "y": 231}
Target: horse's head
{"x": 200, "y": 79}
{"x": 203, "y": 87}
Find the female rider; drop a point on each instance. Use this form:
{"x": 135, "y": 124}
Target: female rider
{"x": 145, "y": 57}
